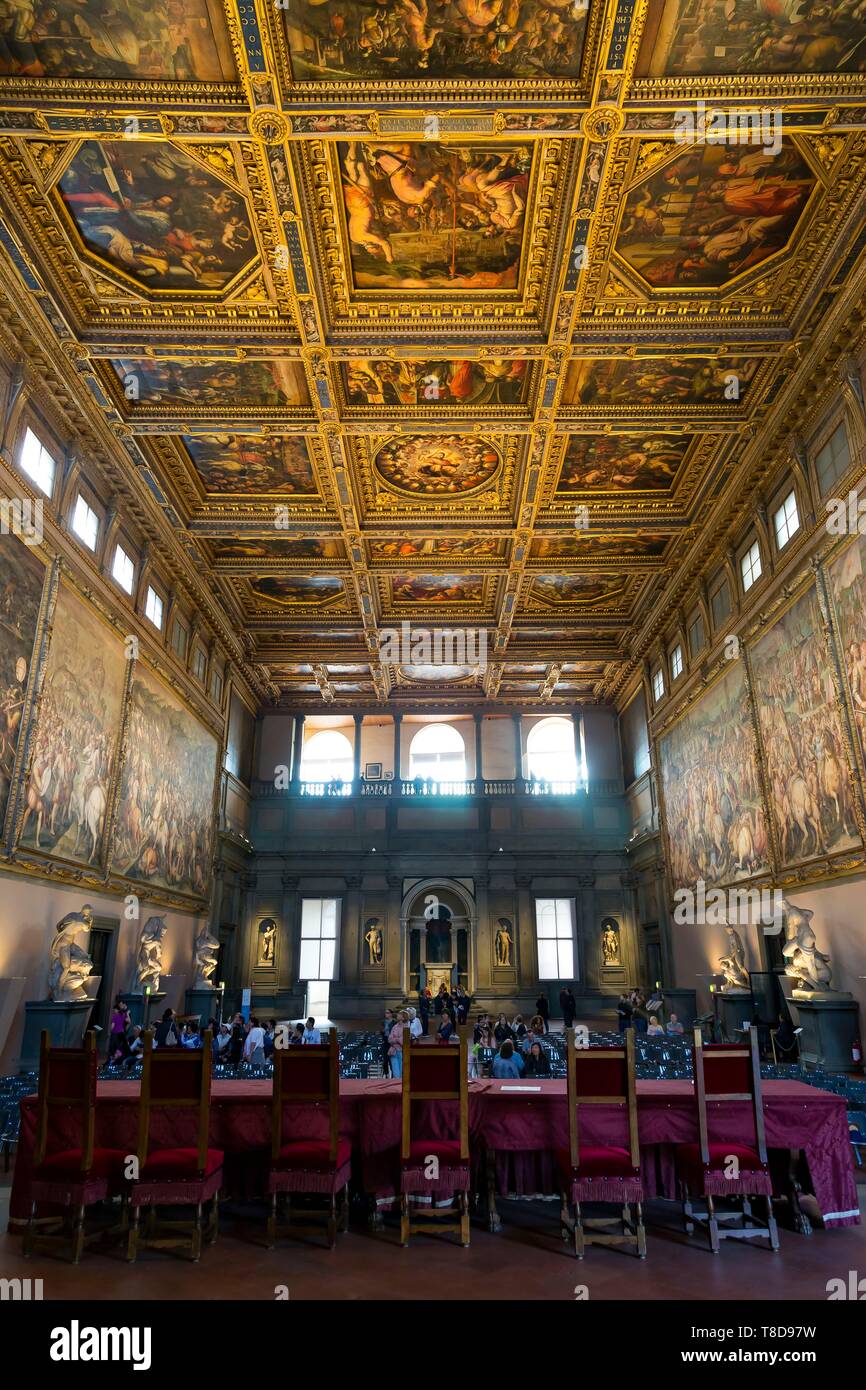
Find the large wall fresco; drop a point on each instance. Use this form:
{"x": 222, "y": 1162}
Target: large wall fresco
{"x": 847, "y": 582}
{"x": 22, "y": 576}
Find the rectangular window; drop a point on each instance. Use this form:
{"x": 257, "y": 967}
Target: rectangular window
{"x": 153, "y": 608}
{"x": 179, "y": 639}
{"x": 37, "y": 463}
{"x": 676, "y": 662}
{"x": 122, "y": 569}
{"x": 216, "y": 687}
{"x": 833, "y": 461}
{"x": 554, "y": 927}
{"x": 85, "y": 523}
{"x": 696, "y": 635}
{"x": 720, "y": 603}
{"x": 199, "y": 664}
{"x": 658, "y": 684}
{"x": 786, "y": 521}
{"x": 750, "y": 565}
{"x": 319, "y": 937}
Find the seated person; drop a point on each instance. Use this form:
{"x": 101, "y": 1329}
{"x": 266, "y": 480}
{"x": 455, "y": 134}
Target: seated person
{"x": 507, "y": 1063}
{"x": 537, "y": 1060}
{"x": 674, "y": 1026}
{"x": 297, "y": 1038}
{"x": 654, "y": 1029}
{"x": 190, "y": 1037}
{"x": 446, "y": 1030}
{"x": 311, "y": 1034}
{"x": 135, "y": 1047}
{"x": 518, "y": 1027}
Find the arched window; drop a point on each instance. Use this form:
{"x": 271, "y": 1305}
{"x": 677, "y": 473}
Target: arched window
{"x": 438, "y": 751}
{"x": 550, "y": 754}
{"x": 326, "y": 756}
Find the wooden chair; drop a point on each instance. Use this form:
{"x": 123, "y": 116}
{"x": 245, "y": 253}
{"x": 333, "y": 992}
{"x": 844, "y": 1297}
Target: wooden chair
{"x": 72, "y": 1177}
{"x": 727, "y": 1072}
{"x": 602, "y": 1172}
{"x": 308, "y": 1076}
{"x": 435, "y": 1167}
{"x": 175, "y": 1079}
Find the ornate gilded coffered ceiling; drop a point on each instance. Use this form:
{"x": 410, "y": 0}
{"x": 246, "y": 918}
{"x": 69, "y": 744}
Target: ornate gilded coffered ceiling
{"x": 423, "y": 310}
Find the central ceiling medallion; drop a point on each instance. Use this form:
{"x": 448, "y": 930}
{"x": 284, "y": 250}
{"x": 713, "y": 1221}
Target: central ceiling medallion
{"x": 438, "y": 465}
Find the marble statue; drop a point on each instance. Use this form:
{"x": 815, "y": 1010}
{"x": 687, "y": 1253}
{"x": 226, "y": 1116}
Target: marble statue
{"x": 808, "y": 967}
{"x": 373, "y": 938}
{"x": 204, "y": 959}
{"x": 734, "y": 965}
{"x": 504, "y": 942}
{"x": 69, "y": 963}
{"x": 148, "y": 961}
{"x": 610, "y": 945}
{"x": 267, "y": 941}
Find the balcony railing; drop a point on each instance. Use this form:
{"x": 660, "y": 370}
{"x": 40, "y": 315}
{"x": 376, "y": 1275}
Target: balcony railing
{"x": 425, "y": 787}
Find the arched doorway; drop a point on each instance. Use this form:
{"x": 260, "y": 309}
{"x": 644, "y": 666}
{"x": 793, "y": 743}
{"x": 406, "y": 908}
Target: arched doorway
{"x": 438, "y": 921}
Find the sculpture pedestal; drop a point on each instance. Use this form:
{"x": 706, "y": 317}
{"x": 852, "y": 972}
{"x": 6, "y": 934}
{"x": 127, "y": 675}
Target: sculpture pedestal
{"x": 205, "y": 1001}
{"x": 144, "y": 1009}
{"x": 65, "y": 1024}
{"x": 830, "y": 1024}
{"x": 734, "y": 1011}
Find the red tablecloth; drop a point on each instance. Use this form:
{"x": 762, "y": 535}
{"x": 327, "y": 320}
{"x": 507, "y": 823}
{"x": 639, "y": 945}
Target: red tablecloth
{"x": 522, "y": 1127}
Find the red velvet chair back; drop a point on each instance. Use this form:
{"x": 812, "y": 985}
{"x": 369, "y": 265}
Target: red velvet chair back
{"x": 602, "y": 1076}
{"x": 728, "y": 1071}
{"x": 432, "y": 1074}
{"x": 67, "y": 1080}
{"x": 307, "y": 1075}
{"x": 176, "y": 1078}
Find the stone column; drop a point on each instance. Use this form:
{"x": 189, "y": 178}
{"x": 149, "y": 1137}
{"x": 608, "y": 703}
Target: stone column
{"x": 289, "y": 947}
{"x": 397, "y": 774}
{"x": 587, "y": 932}
{"x": 297, "y": 748}
{"x": 518, "y": 747}
{"x": 351, "y": 933}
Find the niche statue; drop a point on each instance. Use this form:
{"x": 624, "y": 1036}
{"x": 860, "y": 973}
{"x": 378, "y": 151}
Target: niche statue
{"x": 504, "y": 941}
{"x": 373, "y": 938}
{"x": 148, "y": 961}
{"x": 808, "y": 967}
{"x": 204, "y": 959}
{"x": 734, "y": 965}
{"x": 69, "y": 963}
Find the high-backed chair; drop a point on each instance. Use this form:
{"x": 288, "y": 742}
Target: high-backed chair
{"x": 727, "y": 1072}
{"x": 75, "y": 1177}
{"x": 602, "y": 1172}
{"x": 435, "y": 1167}
{"x": 308, "y": 1076}
{"x": 175, "y": 1080}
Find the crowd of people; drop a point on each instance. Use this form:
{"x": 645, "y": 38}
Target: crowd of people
{"x": 236, "y": 1041}
{"x": 634, "y": 1010}
{"x": 512, "y": 1048}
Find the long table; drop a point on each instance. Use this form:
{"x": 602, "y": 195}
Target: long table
{"x": 514, "y": 1129}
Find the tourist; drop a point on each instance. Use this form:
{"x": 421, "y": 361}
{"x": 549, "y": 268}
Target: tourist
{"x": 190, "y": 1036}
{"x": 624, "y": 1013}
{"x": 117, "y": 1045}
{"x": 507, "y": 1062}
{"x": 254, "y": 1045}
{"x": 443, "y": 1000}
{"x": 568, "y": 1004}
{"x": 640, "y": 1018}
{"x": 395, "y": 1044}
{"x": 537, "y": 1061}
{"x": 270, "y": 1038}
{"x": 311, "y": 1035}
{"x": 542, "y": 1009}
{"x": 426, "y": 1003}
{"x": 165, "y": 1034}
{"x": 446, "y": 1030}
{"x": 297, "y": 1038}
{"x": 674, "y": 1027}
{"x": 385, "y": 1034}
{"x": 655, "y": 1029}
{"x": 518, "y": 1028}
{"x": 235, "y": 1049}
{"x": 221, "y": 1041}
{"x": 502, "y": 1031}
{"x": 135, "y": 1047}
{"x": 415, "y": 1029}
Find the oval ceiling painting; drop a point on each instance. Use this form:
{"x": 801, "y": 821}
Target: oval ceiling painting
{"x": 437, "y": 465}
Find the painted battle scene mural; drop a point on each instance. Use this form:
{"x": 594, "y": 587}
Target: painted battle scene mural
{"x": 713, "y": 213}
{"x": 456, "y": 382}
{"x": 274, "y": 383}
{"x": 427, "y": 216}
{"x": 152, "y": 212}
{"x": 281, "y": 548}
{"x": 712, "y": 799}
{"x": 437, "y": 588}
{"x": 164, "y": 814}
{"x": 847, "y": 579}
{"x": 251, "y": 463}
{"x": 433, "y": 465}
{"x": 21, "y": 579}
{"x": 396, "y": 39}
{"x": 437, "y": 545}
{"x": 654, "y": 381}
{"x": 712, "y": 37}
{"x": 610, "y": 462}
{"x": 287, "y": 590}
{"x": 576, "y": 588}
{"x": 586, "y": 547}
{"x": 74, "y": 749}
{"x": 184, "y": 40}
{"x": 801, "y": 728}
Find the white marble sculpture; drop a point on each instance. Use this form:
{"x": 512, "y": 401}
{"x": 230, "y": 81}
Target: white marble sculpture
{"x": 808, "y": 967}
{"x": 148, "y": 961}
{"x": 69, "y": 963}
{"x": 204, "y": 959}
{"x": 734, "y": 965}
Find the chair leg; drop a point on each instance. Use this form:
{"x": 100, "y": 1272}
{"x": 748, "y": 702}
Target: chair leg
{"x": 214, "y": 1223}
{"x": 404, "y": 1219}
{"x": 640, "y": 1231}
{"x": 196, "y": 1234}
{"x": 712, "y": 1225}
{"x": 688, "y": 1223}
{"x": 344, "y": 1212}
{"x": 272, "y": 1223}
{"x": 464, "y": 1220}
{"x": 78, "y": 1235}
{"x": 579, "y": 1243}
{"x": 772, "y": 1228}
{"x": 132, "y": 1236}
{"x": 332, "y": 1222}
